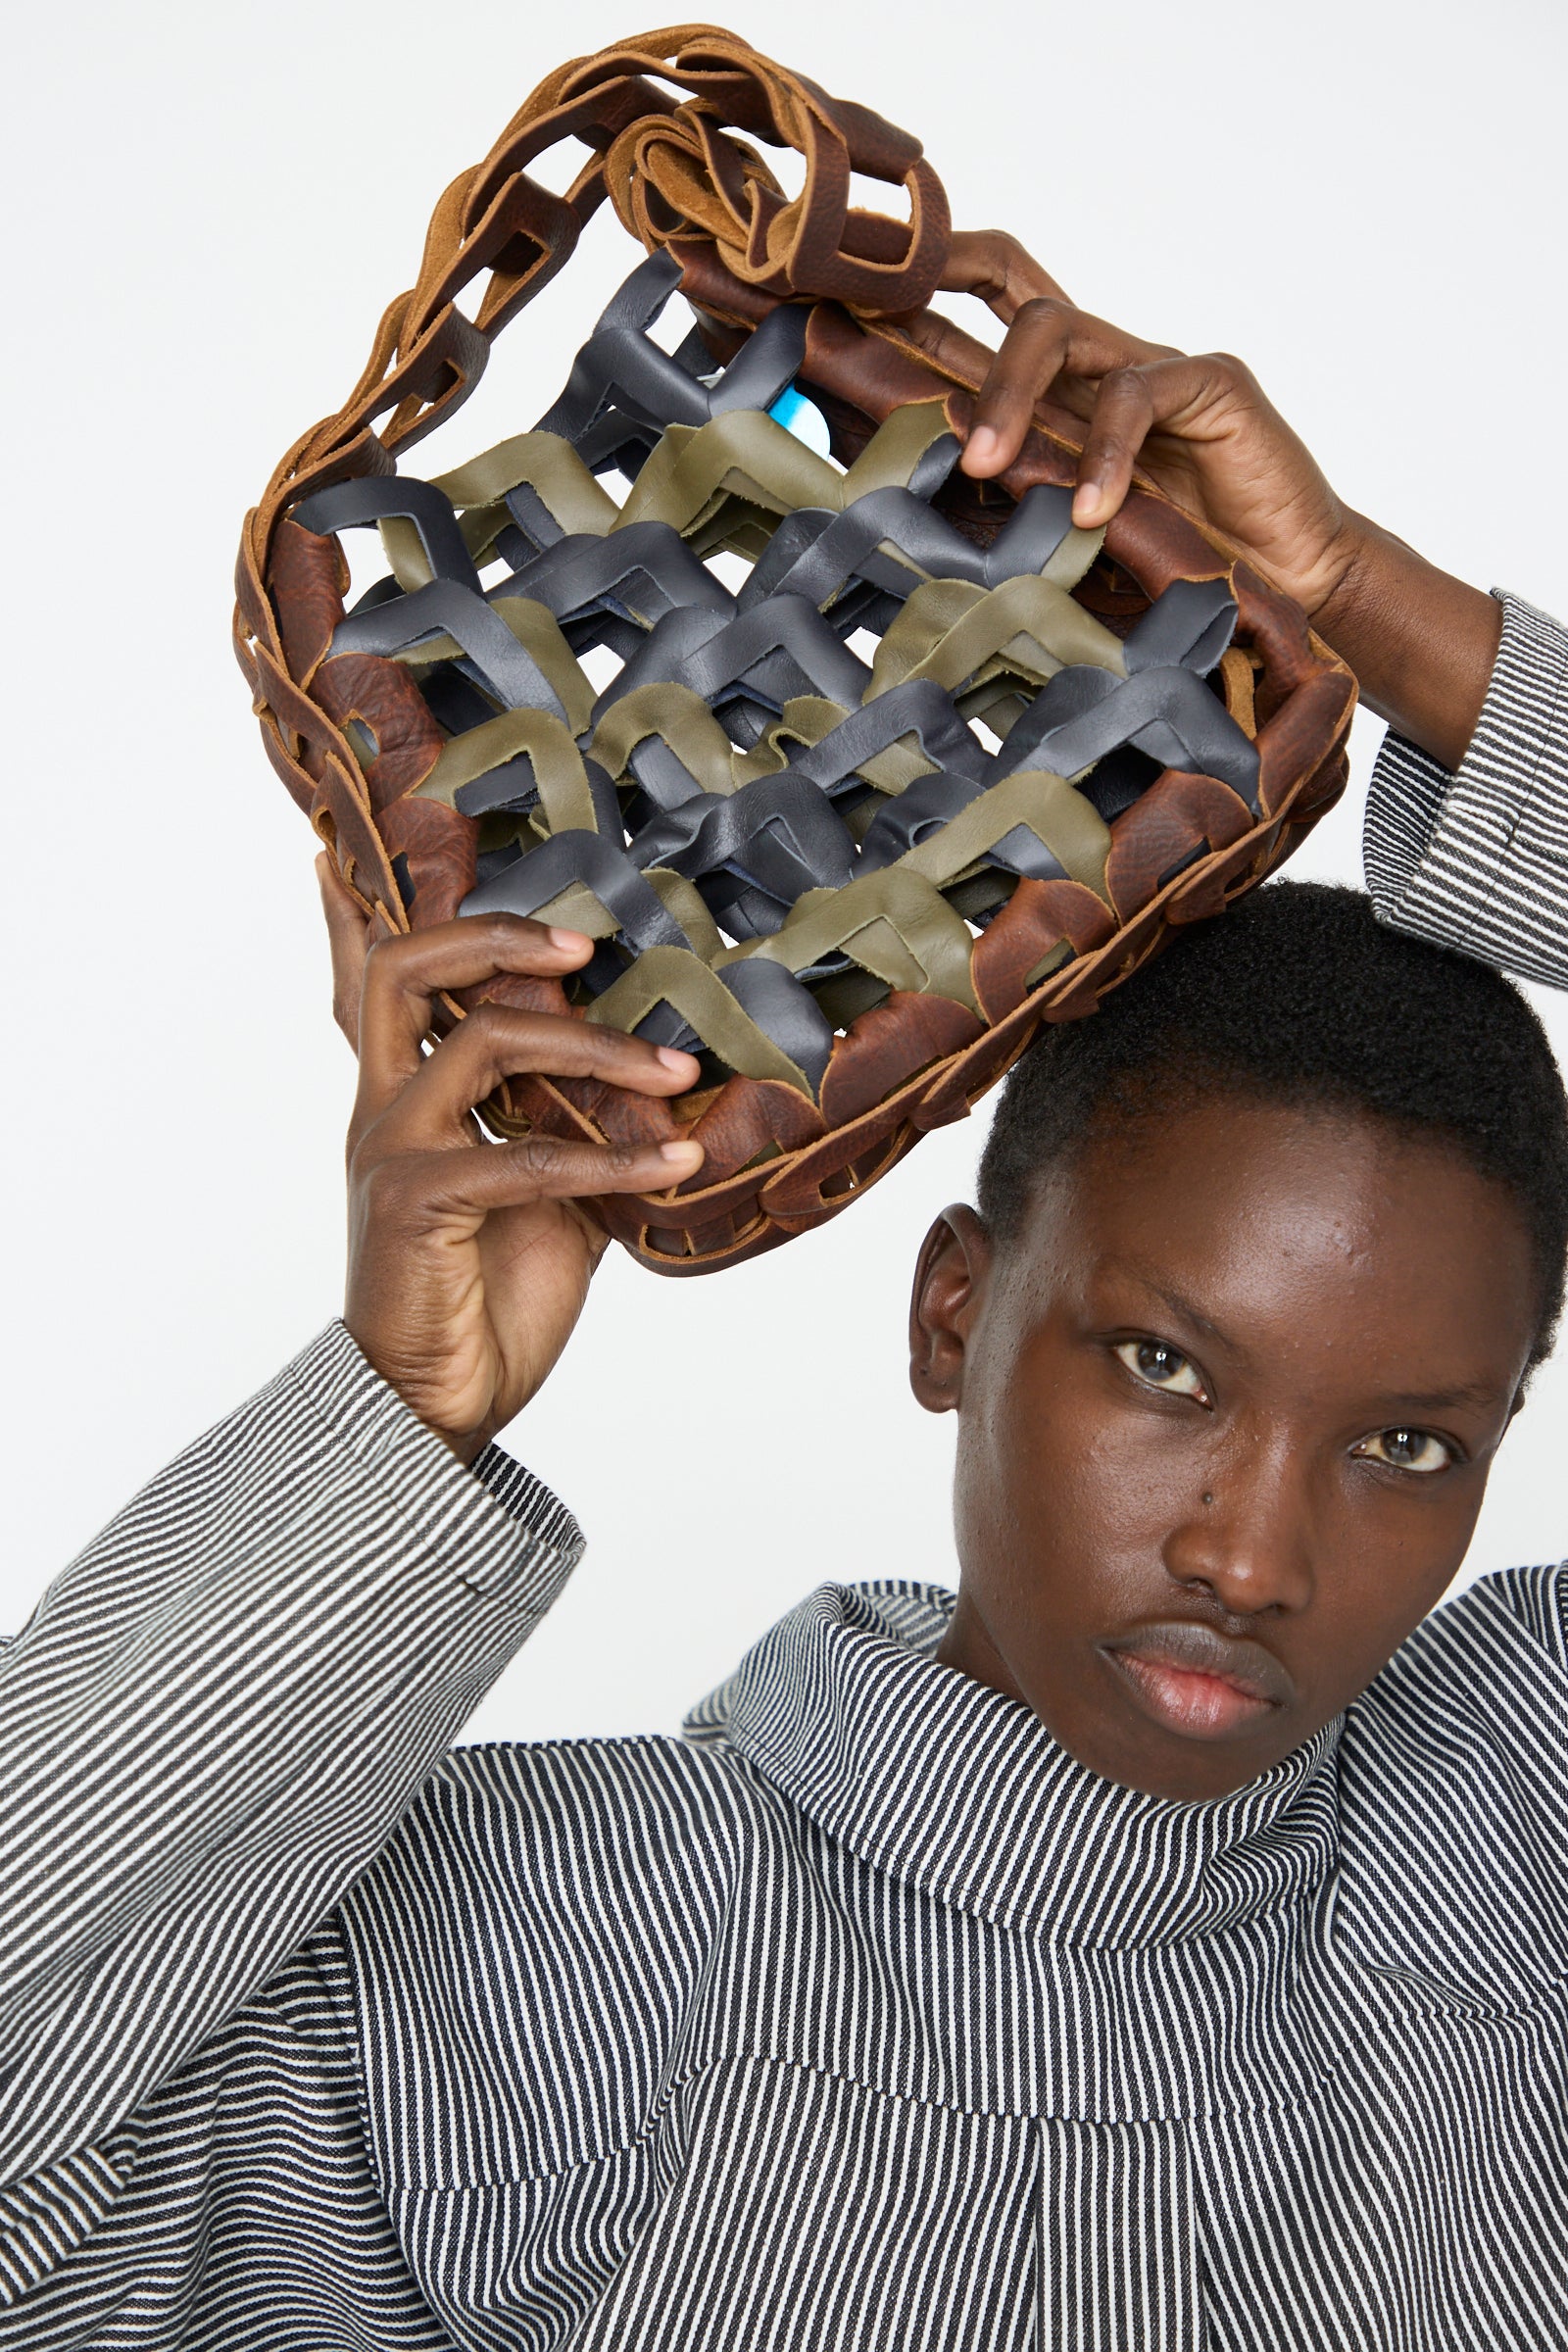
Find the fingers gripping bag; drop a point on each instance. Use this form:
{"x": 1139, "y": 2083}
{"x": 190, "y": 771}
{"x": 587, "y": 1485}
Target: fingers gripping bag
{"x": 883, "y": 766}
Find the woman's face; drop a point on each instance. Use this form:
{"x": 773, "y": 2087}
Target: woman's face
{"x": 1227, "y": 1406}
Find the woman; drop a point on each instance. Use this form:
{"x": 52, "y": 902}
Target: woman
{"x": 1161, "y": 1944}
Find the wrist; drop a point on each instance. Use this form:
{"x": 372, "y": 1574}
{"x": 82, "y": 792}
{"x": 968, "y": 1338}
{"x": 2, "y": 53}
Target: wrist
{"x": 1422, "y": 644}
{"x": 440, "y": 1403}
{"x": 1347, "y": 571}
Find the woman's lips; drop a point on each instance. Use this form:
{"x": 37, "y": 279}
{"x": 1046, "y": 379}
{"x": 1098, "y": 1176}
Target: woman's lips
{"x": 1190, "y": 1680}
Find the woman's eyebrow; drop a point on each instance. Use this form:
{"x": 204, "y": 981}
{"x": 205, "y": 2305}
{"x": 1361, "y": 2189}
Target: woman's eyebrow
{"x": 1179, "y": 1303}
{"x": 1484, "y": 1395}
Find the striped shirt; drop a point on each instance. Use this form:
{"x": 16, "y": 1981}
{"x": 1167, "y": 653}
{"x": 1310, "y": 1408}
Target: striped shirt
{"x": 862, "y": 2016}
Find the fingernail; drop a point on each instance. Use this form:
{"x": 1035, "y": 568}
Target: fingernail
{"x": 568, "y": 939}
{"x": 981, "y": 449}
{"x": 1086, "y": 501}
{"x": 674, "y": 1059}
{"x": 686, "y": 1151}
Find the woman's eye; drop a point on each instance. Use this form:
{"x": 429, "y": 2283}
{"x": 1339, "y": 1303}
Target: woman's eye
{"x": 1407, "y": 1449}
{"x": 1161, "y": 1366}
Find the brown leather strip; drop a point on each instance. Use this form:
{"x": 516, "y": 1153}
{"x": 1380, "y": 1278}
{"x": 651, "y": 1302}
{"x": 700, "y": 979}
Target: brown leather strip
{"x": 309, "y": 578}
{"x": 383, "y": 699}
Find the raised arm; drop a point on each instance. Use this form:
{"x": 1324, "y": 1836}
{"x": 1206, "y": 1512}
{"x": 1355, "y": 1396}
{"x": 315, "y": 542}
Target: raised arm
{"x": 218, "y": 1715}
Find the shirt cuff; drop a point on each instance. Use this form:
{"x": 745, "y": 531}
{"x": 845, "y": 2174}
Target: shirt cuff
{"x": 525, "y": 1499}
{"x": 496, "y": 1522}
{"x": 1477, "y": 858}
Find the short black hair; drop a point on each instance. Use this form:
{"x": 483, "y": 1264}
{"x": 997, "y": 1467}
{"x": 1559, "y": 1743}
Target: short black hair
{"x": 1299, "y": 995}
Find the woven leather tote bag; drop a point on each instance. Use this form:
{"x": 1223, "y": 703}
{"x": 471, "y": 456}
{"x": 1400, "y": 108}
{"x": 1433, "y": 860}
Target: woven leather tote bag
{"x": 877, "y": 768}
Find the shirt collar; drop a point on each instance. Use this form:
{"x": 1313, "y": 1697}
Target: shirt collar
{"x": 962, "y": 1792}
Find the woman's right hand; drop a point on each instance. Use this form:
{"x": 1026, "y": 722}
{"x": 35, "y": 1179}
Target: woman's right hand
{"x": 469, "y": 1260}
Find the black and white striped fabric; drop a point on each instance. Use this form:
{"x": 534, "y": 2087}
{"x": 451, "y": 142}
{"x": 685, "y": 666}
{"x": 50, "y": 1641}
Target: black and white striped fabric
{"x": 1479, "y": 860}
{"x": 860, "y": 2017}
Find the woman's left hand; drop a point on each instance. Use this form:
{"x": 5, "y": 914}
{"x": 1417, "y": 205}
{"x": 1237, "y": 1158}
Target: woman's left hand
{"x": 1200, "y": 426}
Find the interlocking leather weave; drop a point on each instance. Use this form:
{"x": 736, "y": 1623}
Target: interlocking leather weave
{"x": 917, "y": 767}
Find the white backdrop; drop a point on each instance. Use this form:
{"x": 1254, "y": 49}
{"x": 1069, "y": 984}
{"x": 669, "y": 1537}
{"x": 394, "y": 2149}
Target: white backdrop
{"x": 204, "y": 210}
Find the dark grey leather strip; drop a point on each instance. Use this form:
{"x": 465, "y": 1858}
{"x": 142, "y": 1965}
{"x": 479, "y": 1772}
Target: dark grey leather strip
{"x": 780, "y": 648}
{"x": 780, "y": 831}
{"x": 359, "y": 505}
{"x": 444, "y": 609}
{"x": 642, "y": 573}
{"x": 918, "y": 709}
{"x": 641, "y": 917}
{"x": 514, "y": 787}
{"x": 815, "y": 551}
{"x": 1170, "y": 714}
{"x": 622, "y": 371}
{"x": 784, "y": 1010}
{"x": 1190, "y": 624}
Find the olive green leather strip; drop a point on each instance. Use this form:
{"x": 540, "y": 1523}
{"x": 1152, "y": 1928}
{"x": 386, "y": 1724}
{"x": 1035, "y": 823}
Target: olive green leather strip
{"x": 735, "y": 527}
{"x": 404, "y": 550}
{"x": 577, "y": 909}
{"x": 744, "y": 455}
{"x": 1071, "y": 828}
{"x": 896, "y": 923}
{"x": 1072, "y": 558}
{"x": 675, "y": 976}
{"x": 949, "y": 631}
{"x": 557, "y": 765}
{"x": 686, "y": 903}
{"x": 894, "y": 451}
{"x": 683, "y": 719}
{"x": 741, "y": 453}
{"x": 548, "y": 464}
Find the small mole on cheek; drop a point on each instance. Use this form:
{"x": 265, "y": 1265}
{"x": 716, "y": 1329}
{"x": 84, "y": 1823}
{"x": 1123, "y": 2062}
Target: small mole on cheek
{"x": 1209, "y": 1498}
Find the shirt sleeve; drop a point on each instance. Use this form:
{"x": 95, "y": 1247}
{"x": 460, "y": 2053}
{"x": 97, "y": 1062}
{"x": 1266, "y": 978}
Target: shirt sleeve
{"x": 218, "y": 1715}
{"x": 1478, "y": 858}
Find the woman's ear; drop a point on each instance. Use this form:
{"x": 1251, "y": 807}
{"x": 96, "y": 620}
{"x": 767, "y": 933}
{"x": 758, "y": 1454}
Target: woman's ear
{"x": 950, "y": 1282}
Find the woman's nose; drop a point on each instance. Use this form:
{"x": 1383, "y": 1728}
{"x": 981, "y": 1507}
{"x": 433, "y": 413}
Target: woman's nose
{"x": 1247, "y": 1533}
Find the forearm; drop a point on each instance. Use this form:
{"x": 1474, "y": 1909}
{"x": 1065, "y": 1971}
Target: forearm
{"x": 1421, "y": 643}
{"x": 216, "y": 1717}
